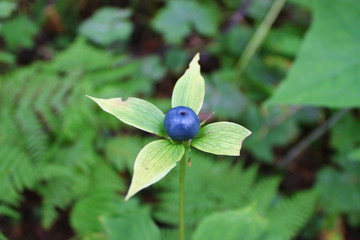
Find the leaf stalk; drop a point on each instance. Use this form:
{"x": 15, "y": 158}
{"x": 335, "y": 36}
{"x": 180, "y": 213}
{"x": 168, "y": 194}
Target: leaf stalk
{"x": 182, "y": 197}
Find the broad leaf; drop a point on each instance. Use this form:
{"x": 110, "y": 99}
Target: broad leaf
{"x": 153, "y": 162}
{"x": 327, "y": 68}
{"x": 233, "y": 225}
{"x": 135, "y": 112}
{"x": 177, "y": 19}
{"x": 19, "y": 32}
{"x": 189, "y": 91}
{"x": 221, "y": 138}
{"x": 223, "y": 97}
{"x": 339, "y": 186}
{"x": 133, "y": 225}
{"x": 107, "y": 26}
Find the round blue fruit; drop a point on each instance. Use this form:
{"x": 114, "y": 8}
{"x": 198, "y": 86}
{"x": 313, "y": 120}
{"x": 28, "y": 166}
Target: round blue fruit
{"x": 181, "y": 123}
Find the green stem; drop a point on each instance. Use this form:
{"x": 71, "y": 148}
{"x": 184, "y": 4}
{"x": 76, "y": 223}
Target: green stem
{"x": 182, "y": 197}
{"x": 258, "y": 38}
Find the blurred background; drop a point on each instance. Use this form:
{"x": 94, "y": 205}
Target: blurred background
{"x": 286, "y": 70}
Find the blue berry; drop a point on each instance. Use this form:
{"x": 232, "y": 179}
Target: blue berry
{"x": 181, "y": 123}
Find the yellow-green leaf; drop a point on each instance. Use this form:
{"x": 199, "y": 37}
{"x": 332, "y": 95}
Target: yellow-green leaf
{"x": 135, "y": 112}
{"x": 189, "y": 91}
{"x": 221, "y": 138}
{"x": 153, "y": 162}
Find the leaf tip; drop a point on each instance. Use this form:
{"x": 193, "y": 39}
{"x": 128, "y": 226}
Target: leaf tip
{"x": 97, "y": 100}
{"x": 127, "y": 197}
{"x": 195, "y": 60}
{"x": 92, "y": 98}
{"x": 248, "y": 133}
{"x": 130, "y": 193}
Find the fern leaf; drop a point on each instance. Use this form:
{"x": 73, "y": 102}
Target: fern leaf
{"x": 292, "y": 214}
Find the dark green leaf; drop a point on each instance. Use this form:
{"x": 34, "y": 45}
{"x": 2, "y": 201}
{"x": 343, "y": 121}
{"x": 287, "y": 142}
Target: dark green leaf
{"x": 327, "y": 68}
{"x": 232, "y": 225}
{"x": 177, "y": 19}
{"x": 107, "y": 26}
{"x": 19, "y": 32}
{"x": 132, "y": 225}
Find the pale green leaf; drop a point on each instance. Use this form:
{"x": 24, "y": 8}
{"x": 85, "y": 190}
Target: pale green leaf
{"x": 153, "y": 162}
{"x": 189, "y": 91}
{"x": 135, "y": 112}
{"x": 327, "y": 69}
{"x": 221, "y": 138}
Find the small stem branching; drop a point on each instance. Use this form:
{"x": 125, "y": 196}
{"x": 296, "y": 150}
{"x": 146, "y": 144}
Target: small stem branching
{"x": 258, "y": 38}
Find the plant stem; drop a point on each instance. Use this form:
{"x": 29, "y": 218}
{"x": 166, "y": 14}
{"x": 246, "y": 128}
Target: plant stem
{"x": 182, "y": 197}
{"x": 314, "y": 135}
{"x": 258, "y": 38}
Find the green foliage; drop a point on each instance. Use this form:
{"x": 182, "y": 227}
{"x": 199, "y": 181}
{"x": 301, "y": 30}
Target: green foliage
{"x": 274, "y": 130}
{"x": 282, "y": 223}
{"x": 286, "y": 41}
{"x": 221, "y": 96}
{"x": 157, "y": 158}
{"x": 303, "y": 3}
{"x": 48, "y": 132}
{"x": 153, "y": 162}
{"x": 121, "y": 151}
{"x": 6, "y": 8}
{"x": 327, "y": 63}
{"x": 107, "y": 25}
{"x": 221, "y": 138}
{"x": 7, "y": 58}
{"x": 19, "y": 32}
{"x": 290, "y": 215}
{"x": 135, "y": 225}
{"x": 189, "y": 90}
{"x": 135, "y": 112}
{"x": 259, "y": 8}
{"x": 232, "y": 42}
{"x": 224, "y": 186}
{"x": 177, "y": 20}
{"x": 2, "y": 237}
{"x": 343, "y": 138}
{"x": 232, "y": 225}
{"x": 342, "y": 184}
{"x": 62, "y": 158}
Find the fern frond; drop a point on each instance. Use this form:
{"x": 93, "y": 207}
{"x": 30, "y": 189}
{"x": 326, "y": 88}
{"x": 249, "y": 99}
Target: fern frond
{"x": 17, "y": 167}
{"x": 48, "y": 215}
{"x": 3, "y": 237}
{"x": 8, "y": 211}
{"x": 292, "y": 214}
{"x": 82, "y": 56}
{"x": 264, "y": 193}
{"x": 210, "y": 186}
